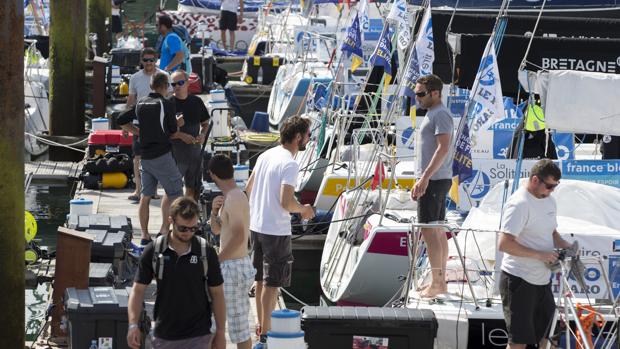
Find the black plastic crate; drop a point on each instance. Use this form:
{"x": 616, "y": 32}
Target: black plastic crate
{"x": 96, "y": 313}
{"x": 108, "y": 246}
{"x": 100, "y": 274}
{"x": 100, "y": 222}
{"x": 265, "y": 67}
{"x": 126, "y": 57}
{"x": 342, "y": 327}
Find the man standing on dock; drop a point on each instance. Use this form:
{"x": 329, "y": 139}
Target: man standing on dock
{"x": 139, "y": 87}
{"x": 271, "y": 189}
{"x": 229, "y": 20}
{"x": 187, "y": 142}
{"x": 187, "y": 273}
{"x": 528, "y": 239}
{"x": 156, "y": 116}
{"x": 434, "y": 171}
{"x": 172, "y": 51}
{"x": 230, "y": 219}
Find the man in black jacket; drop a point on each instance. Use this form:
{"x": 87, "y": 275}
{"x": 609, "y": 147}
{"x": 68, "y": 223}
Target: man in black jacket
{"x": 156, "y": 116}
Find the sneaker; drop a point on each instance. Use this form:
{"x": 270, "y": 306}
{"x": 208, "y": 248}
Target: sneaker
{"x": 260, "y": 345}
{"x": 262, "y": 342}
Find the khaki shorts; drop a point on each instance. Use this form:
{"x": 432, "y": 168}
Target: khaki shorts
{"x": 272, "y": 256}
{"x": 201, "y": 342}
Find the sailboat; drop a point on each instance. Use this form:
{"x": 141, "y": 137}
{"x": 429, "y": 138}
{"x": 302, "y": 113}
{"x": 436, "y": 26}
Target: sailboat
{"x": 36, "y": 103}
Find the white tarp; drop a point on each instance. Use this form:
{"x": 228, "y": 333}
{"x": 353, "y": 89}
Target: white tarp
{"x": 576, "y": 101}
{"x": 587, "y": 212}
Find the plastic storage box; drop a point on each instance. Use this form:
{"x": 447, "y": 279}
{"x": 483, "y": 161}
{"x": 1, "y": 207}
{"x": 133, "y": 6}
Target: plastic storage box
{"x": 126, "y": 58}
{"x": 262, "y": 69}
{"x": 100, "y": 274}
{"x": 96, "y": 313}
{"x": 109, "y": 141}
{"x": 99, "y": 222}
{"x": 341, "y": 327}
{"x": 108, "y": 246}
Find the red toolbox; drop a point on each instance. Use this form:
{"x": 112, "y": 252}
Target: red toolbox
{"x": 109, "y": 141}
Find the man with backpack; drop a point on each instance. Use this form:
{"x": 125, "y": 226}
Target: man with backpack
{"x": 188, "y": 275}
{"x": 174, "y": 52}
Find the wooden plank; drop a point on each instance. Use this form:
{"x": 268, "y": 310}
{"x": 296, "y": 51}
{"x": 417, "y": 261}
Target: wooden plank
{"x": 53, "y": 171}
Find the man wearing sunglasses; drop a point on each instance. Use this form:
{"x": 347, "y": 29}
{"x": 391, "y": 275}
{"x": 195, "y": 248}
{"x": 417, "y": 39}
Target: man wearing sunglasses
{"x": 182, "y": 311}
{"x": 528, "y": 238}
{"x": 434, "y": 172}
{"x": 187, "y": 142}
{"x": 139, "y": 87}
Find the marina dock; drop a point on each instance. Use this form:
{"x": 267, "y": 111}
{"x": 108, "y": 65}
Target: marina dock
{"x": 114, "y": 203}
{"x": 53, "y": 172}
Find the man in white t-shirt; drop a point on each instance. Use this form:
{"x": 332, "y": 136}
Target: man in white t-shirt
{"x": 140, "y": 86}
{"x": 528, "y": 239}
{"x": 229, "y": 20}
{"x": 271, "y": 189}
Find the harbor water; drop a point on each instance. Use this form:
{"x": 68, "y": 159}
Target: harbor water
{"x": 49, "y": 205}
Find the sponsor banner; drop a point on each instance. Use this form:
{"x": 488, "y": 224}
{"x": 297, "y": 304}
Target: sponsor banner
{"x": 489, "y": 172}
{"x": 598, "y": 171}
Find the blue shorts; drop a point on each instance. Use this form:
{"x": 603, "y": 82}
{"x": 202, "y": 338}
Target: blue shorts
{"x": 164, "y": 170}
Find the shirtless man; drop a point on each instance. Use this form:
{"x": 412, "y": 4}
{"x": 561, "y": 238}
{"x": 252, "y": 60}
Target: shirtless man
{"x": 230, "y": 218}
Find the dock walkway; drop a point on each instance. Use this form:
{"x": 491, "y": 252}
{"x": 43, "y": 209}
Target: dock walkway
{"x": 53, "y": 171}
{"x": 115, "y": 202}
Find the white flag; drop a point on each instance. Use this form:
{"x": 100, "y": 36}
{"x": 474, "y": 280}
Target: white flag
{"x": 425, "y": 47}
{"x": 398, "y": 13}
{"x": 363, "y": 13}
{"x": 487, "y": 100}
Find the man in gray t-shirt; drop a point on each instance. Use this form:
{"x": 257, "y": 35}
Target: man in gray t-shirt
{"x": 434, "y": 172}
{"x": 139, "y": 87}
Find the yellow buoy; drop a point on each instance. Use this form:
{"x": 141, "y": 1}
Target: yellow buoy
{"x": 30, "y": 228}
{"x": 113, "y": 180}
{"x": 31, "y": 256}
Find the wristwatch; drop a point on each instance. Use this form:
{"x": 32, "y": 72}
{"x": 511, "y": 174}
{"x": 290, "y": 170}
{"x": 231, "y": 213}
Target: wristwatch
{"x": 132, "y": 326}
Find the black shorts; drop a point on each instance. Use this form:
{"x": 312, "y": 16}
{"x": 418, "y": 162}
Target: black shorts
{"x": 528, "y": 309}
{"x": 228, "y": 20}
{"x": 117, "y": 24}
{"x": 272, "y": 256}
{"x": 432, "y": 205}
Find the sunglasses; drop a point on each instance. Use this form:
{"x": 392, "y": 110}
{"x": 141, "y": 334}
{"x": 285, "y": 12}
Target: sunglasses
{"x": 180, "y": 83}
{"x": 148, "y": 60}
{"x": 422, "y": 94}
{"x": 549, "y": 186}
{"x": 184, "y": 229}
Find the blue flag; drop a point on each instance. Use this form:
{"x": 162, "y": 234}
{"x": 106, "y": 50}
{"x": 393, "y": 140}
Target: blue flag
{"x": 462, "y": 164}
{"x": 382, "y": 55}
{"x": 411, "y": 75}
{"x": 353, "y": 44}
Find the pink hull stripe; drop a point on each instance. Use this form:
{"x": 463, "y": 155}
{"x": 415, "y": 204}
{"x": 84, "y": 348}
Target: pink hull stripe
{"x": 392, "y": 243}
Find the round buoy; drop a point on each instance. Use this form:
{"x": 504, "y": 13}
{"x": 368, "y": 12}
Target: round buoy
{"x": 31, "y": 256}
{"x": 30, "y": 228}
